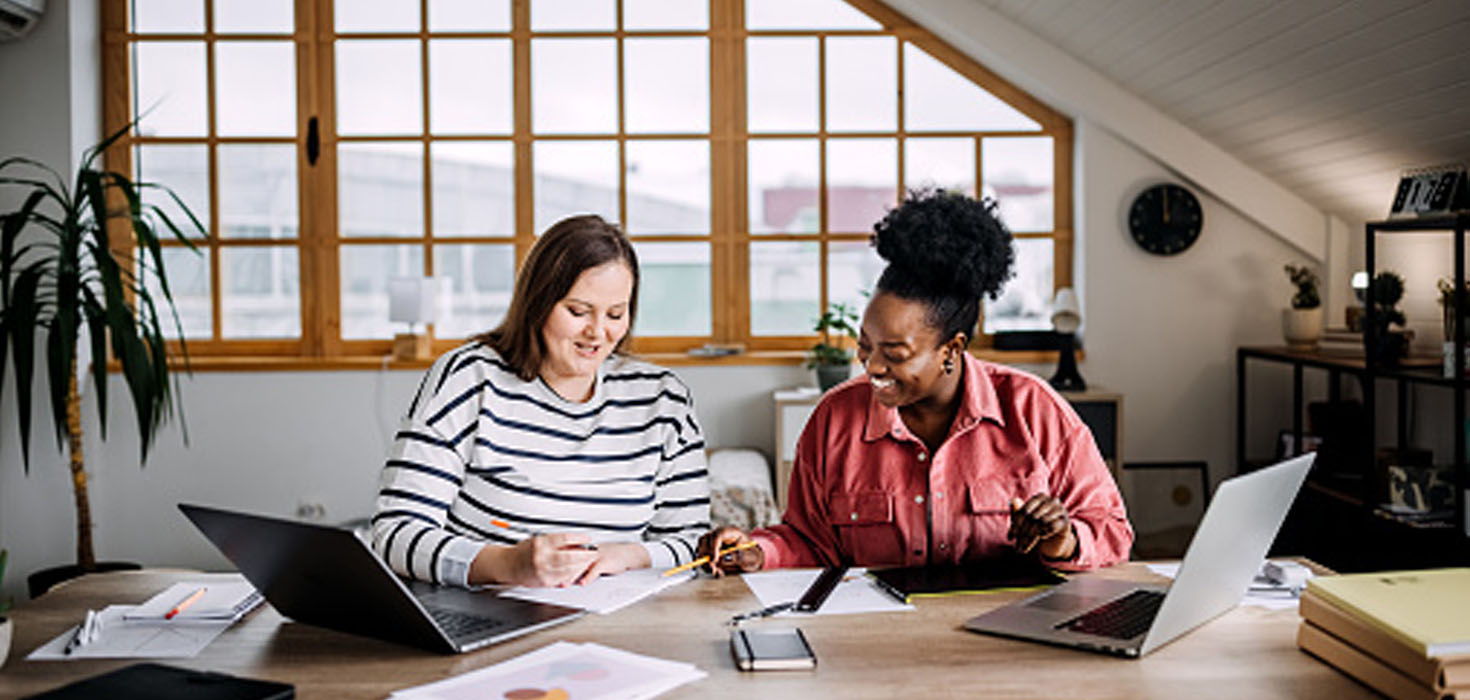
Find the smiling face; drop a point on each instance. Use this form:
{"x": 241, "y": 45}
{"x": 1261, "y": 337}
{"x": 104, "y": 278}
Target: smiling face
{"x": 585, "y": 326}
{"x": 902, "y": 352}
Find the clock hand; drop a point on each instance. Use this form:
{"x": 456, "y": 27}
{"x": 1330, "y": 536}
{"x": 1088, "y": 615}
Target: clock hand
{"x": 1166, "y": 206}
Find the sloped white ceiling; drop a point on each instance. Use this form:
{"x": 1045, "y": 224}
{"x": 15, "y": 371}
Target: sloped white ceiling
{"x": 1329, "y": 98}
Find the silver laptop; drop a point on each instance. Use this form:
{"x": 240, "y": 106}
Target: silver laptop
{"x": 1132, "y": 619}
{"x": 329, "y": 577}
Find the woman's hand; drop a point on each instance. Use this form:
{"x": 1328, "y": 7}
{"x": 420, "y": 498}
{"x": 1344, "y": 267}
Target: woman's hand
{"x": 744, "y": 561}
{"x": 615, "y": 558}
{"x": 1041, "y": 523}
{"x": 557, "y": 559}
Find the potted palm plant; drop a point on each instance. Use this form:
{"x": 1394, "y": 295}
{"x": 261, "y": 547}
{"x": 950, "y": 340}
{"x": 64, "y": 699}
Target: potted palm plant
{"x": 832, "y": 357}
{"x": 66, "y": 273}
{"x": 1302, "y": 323}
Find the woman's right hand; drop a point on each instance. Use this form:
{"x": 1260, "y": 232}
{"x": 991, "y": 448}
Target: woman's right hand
{"x": 743, "y": 561}
{"x": 557, "y": 559}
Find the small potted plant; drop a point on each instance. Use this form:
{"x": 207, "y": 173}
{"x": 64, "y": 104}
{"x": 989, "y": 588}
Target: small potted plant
{"x": 1302, "y": 323}
{"x": 1384, "y": 344}
{"x": 832, "y": 358}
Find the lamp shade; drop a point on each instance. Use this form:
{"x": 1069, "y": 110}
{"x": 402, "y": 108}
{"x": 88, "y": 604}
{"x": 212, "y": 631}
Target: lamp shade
{"x": 1066, "y": 316}
{"x": 412, "y": 300}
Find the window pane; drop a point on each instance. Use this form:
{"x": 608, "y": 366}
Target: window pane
{"x": 378, "y": 90}
{"x": 946, "y": 163}
{"x": 380, "y": 189}
{"x": 183, "y": 169}
{"x": 366, "y": 270}
{"x": 255, "y": 88}
{"x": 667, "y": 83}
{"x": 852, "y": 272}
{"x": 782, "y": 186}
{"x": 470, "y": 86}
{"x": 558, "y": 15}
{"x": 668, "y": 187}
{"x": 785, "y": 284}
{"x": 478, "y": 280}
{"x": 1018, "y": 174}
{"x": 575, "y": 177}
{"x": 862, "y": 183}
{"x": 474, "y": 188}
{"x": 574, "y": 86}
{"x": 1025, "y": 305}
{"x": 255, "y": 16}
{"x": 781, "y": 84}
{"x": 376, "y": 15}
{"x": 168, "y": 16}
{"x": 674, "y": 289}
{"x": 188, "y": 282}
{"x": 259, "y": 297}
{"x": 665, "y": 14}
{"x": 936, "y": 98}
{"x": 805, "y": 14}
{"x": 170, "y": 81}
{"x": 862, "y": 84}
{"x": 469, "y": 15}
{"x": 257, "y": 190}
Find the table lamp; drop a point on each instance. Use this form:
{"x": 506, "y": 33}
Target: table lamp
{"x": 412, "y": 300}
{"x": 1353, "y": 314}
{"x": 1066, "y": 318}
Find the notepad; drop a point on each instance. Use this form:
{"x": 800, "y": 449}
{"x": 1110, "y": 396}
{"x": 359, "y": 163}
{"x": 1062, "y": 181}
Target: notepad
{"x": 222, "y": 600}
{"x": 606, "y": 594}
{"x": 999, "y": 574}
{"x": 118, "y": 638}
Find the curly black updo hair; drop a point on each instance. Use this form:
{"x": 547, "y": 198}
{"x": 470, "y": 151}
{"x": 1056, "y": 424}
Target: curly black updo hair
{"x": 947, "y": 250}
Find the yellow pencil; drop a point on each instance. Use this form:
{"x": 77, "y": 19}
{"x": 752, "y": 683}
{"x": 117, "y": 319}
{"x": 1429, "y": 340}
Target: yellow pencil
{"x": 705, "y": 560}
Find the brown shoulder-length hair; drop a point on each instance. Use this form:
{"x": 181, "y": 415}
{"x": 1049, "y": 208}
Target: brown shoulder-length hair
{"x": 567, "y": 249}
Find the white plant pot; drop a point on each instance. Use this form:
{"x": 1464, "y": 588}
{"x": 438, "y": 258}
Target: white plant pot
{"x": 1302, "y": 327}
{"x": 5, "y": 627}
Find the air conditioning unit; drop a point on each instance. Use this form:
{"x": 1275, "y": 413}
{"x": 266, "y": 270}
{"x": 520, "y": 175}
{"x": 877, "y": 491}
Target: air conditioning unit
{"x": 18, "y": 17}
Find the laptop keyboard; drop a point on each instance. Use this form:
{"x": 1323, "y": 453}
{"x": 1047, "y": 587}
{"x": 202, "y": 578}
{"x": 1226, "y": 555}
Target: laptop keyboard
{"x": 460, "y": 625}
{"x": 1124, "y": 618}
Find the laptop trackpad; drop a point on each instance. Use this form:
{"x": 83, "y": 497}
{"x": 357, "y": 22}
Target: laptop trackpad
{"x": 1065, "y": 602}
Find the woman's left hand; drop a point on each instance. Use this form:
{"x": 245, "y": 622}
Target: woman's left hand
{"x": 615, "y": 558}
{"x": 1041, "y": 523}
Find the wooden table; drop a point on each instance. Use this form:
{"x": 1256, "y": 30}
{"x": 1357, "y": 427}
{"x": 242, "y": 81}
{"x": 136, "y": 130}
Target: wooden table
{"x": 1246, "y": 653}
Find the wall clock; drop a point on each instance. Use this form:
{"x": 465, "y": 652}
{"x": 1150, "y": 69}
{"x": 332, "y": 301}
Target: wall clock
{"x": 1165, "y": 219}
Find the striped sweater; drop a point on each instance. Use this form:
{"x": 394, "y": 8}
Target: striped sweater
{"x": 479, "y": 444}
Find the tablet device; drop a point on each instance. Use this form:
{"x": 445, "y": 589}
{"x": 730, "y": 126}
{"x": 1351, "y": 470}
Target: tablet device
{"x": 1002, "y": 573}
{"x": 148, "y": 681}
{"x": 778, "y": 649}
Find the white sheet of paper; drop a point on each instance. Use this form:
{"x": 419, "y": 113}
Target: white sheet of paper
{"x": 855, "y": 594}
{"x": 135, "y": 639}
{"x": 565, "y": 670}
{"x": 1260, "y": 596}
{"x": 222, "y": 600}
{"x": 606, "y": 594}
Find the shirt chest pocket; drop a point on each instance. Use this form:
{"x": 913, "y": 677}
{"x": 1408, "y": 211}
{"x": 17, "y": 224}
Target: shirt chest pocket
{"x": 867, "y": 531}
{"x": 986, "y": 497}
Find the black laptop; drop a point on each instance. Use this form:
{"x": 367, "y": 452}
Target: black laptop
{"x": 327, "y": 576}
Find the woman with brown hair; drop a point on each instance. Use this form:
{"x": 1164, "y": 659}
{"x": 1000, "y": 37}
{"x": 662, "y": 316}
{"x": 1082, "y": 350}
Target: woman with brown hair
{"x": 538, "y": 454}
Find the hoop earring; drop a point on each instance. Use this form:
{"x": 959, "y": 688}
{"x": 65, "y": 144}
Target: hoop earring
{"x": 949, "y": 365}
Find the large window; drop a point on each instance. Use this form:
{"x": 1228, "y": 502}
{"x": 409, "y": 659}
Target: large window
{"x": 747, "y": 146}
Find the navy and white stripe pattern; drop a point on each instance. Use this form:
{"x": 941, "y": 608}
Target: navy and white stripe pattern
{"x": 480, "y": 444}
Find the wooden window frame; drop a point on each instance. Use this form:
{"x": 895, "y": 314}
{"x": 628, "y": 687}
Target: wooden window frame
{"x": 319, "y": 246}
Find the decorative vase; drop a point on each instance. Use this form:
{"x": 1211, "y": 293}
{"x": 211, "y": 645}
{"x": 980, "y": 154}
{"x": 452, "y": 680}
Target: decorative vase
{"x": 5, "y": 625}
{"x": 1302, "y": 327}
{"x": 829, "y": 376}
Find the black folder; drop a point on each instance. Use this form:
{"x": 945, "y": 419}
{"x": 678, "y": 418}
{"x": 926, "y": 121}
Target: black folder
{"x": 159, "y": 682}
{"x": 1003, "y": 573}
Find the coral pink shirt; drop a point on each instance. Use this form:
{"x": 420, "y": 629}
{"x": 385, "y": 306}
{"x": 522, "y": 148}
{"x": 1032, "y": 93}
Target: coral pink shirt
{"x": 865, "y": 491}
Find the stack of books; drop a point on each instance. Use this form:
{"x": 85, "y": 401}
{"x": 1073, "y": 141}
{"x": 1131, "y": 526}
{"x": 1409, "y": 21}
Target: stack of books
{"x": 1405, "y": 634}
{"x": 1341, "y": 341}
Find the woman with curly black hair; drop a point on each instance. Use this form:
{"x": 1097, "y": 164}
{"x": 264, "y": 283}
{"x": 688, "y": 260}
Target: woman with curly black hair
{"x": 934, "y": 456}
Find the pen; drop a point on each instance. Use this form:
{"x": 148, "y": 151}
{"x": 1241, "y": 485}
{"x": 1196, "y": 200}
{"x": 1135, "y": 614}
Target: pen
{"x": 83, "y": 632}
{"x": 705, "y": 559}
{"x": 193, "y": 598}
{"x": 528, "y": 531}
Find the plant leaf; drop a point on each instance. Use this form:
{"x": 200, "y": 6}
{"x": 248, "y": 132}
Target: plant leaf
{"x": 97, "y": 330}
{"x": 20, "y": 317}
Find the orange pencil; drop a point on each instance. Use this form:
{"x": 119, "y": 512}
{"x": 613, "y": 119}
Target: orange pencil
{"x": 193, "y": 598}
{"x": 705, "y": 559}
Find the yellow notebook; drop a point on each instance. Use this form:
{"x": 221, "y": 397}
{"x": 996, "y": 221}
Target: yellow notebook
{"x": 1427, "y": 610}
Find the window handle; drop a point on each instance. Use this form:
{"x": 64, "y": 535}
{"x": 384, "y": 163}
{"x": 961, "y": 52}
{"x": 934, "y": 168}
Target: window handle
{"x": 313, "y": 142}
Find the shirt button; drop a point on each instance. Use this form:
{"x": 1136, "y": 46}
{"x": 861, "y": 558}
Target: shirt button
{"x": 938, "y": 496}
{"x": 918, "y": 499}
{"x": 943, "y": 546}
{"x": 923, "y": 456}
{"x": 854, "y": 516}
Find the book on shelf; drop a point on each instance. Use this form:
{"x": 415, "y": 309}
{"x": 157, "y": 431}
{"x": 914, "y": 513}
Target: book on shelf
{"x": 1425, "y": 609}
{"x": 1446, "y": 672}
{"x": 1364, "y": 667}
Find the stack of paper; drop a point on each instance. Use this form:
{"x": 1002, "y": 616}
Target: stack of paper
{"x": 606, "y": 594}
{"x": 1405, "y": 633}
{"x": 221, "y": 601}
{"x": 1277, "y": 587}
{"x": 564, "y": 670}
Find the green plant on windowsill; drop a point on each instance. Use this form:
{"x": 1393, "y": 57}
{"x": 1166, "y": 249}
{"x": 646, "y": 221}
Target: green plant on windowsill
{"x": 832, "y": 357}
